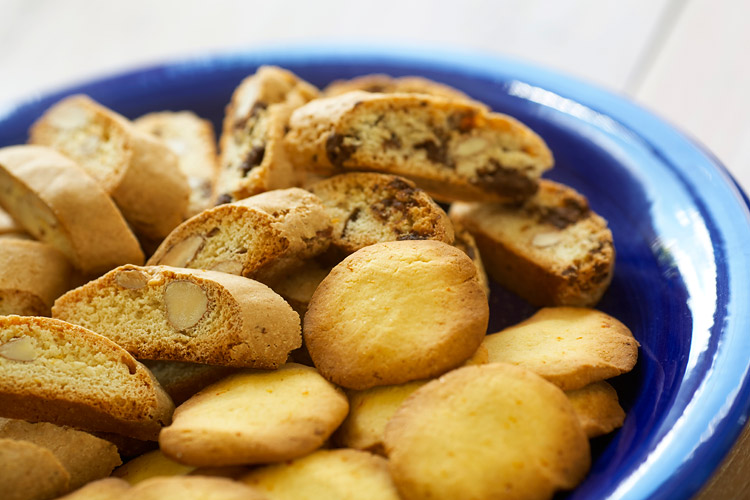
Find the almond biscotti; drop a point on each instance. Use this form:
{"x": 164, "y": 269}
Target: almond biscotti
{"x": 177, "y": 314}
{"x": 58, "y": 203}
{"x": 32, "y": 275}
{"x": 450, "y": 148}
{"x": 260, "y": 237}
{"x": 193, "y": 140}
{"x": 61, "y": 373}
{"x": 368, "y": 208}
{"x": 551, "y": 250}
{"x": 253, "y": 159}
{"x": 138, "y": 171}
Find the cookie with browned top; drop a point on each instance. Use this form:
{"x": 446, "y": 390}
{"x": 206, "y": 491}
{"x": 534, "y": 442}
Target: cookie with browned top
{"x": 253, "y": 159}
{"x": 368, "y": 208}
{"x": 385, "y": 84}
{"x": 260, "y": 237}
{"x": 395, "y": 312}
{"x": 32, "y": 275}
{"x": 452, "y": 149}
{"x": 138, "y": 171}
{"x": 55, "y": 201}
{"x": 193, "y": 140}
{"x": 57, "y": 372}
{"x": 167, "y": 313}
{"x": 552, "y": 250}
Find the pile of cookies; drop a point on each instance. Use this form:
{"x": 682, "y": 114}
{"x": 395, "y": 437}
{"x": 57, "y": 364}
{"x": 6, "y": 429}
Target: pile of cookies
{"x": 300, "y": 315}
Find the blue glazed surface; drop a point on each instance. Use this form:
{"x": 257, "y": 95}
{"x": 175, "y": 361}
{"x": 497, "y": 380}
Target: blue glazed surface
{"x": 680, "y": 225}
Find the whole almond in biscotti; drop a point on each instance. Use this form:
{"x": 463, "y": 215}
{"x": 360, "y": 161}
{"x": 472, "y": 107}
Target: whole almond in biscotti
{"x": 452, "y": 149}
{"x": 30, "y": 472}
{"x": 569, "y": 346}
{"x": 368, "y": 208}
{"x": 395, "y": 312}
{"x": 385, "y": 84}
{"x": 57, "y": 202}
{"x": 193, "y": 140}
{"x": 598, "y": 408}
{"x": 161, "y": 312}
{"x": 255, "y": 417}
{"x": 326, "y": 474}
{"x": 261, "y": 237}
{"x": 553, "y": 250}
{"x": 490, "y": 431}
{"x": 57, "y": 372}
{"x": 84, "y": 456}
{"x": 138, "y": 171}
{"x": 253, "y": 158}
{"x": 32, "y": 275}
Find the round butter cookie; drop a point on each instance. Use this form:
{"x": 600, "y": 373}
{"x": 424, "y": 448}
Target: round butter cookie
{"x": 326, "y": 474}
{"x": 255, "y": 417}
{"x": 492, "y": 431}
{"x": 395, "y": 312}
{"x": 598, "y": 408}
{"x": 569, "y": 346}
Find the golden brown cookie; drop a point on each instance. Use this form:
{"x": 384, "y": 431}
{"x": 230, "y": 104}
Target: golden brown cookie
{"x": 253, "y": 158}
{"x": 490, "y": 431}
{"x": 261, "y": 237}
{"x": 138, "y": 171}
{"x": 30, "y": 472}
{"x": 61, "y": 373}
{"x": 193, "y": 140}
{"x": 395, "y": 312}
{"x": 452, "y": 149}
{"x": 255, "y": 417}
{"x": 326, "y": 474}
{"x": 598, "y": 408}
{"x": 32, "y": 275}
{"x": 368, "y": 208}
{"x": 168, "y": 313}
{"x": 85, "y": 457}
{"x": 553, "y": 250}
{"x": 58, "y": 203}
{"x": 193, "y": 488}
{"x": 151, "y": 464}
{"x": 569, "y": 346}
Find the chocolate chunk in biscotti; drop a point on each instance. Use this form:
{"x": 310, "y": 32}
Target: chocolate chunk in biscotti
{"x": 137, "y": 170}
{"x": 57, "y": 202}
{"x": 368, "y": 208}
{"x": 253, "y": 159}
{"x": 453, "y": 149}
{"x": 261, "y": 237}
{"x": 193, "y": 140}
{"x": 160, "y": 312}
{"x": 551, "y": 250}
{"x": 53, "y": 371}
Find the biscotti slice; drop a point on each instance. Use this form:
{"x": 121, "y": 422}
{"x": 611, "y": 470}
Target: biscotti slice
{"x": 260, "y": 237}
{"x": 465, "y": 241}
{"x": 58, "y": 203}
{"x": 30, "y": 472}
{"x": 151, "y": 464}
{"x": 253, "y": 158}
{"x": 177, "y": 314}
{"x": 326, "y": 474}
{"x": 255, "y": 417}
{"x": 138, "y": 171}
{"x": 57, "y": 372}
{"x": 32, "y": 275}
{"x": 368, "y": 208}
{"x": 569, "y": 346}
{"x": 553, "y": 250}
{"x": 181, "y": 380}
{"x": 85, "y": 457}
{"x": 193, "y": 140}
{"x": 385, "y": 84}
{"x": 452, "y": 149}
{"x": 8, "y": 225}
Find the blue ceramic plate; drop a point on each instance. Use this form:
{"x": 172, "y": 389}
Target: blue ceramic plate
{"x": 680, "y": 225}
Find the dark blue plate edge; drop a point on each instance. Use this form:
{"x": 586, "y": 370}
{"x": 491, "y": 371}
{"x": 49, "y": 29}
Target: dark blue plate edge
{"x": 693, "y": 472}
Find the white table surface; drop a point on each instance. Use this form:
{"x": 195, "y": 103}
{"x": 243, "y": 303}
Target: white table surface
{"x": 683, "y": 59}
